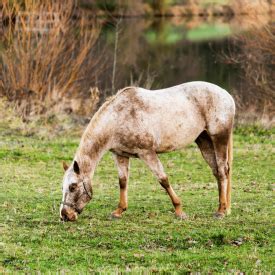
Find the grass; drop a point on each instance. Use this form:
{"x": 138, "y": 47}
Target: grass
{"x": 148, "y": 238}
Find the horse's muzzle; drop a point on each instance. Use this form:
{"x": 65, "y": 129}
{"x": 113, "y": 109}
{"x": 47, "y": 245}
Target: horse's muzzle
{"x": 68, "y": 214}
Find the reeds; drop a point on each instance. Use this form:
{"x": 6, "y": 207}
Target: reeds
{"x": 256, "y": 56}
{"x": 48, "y": 51}
{"x": 254, "y": 53}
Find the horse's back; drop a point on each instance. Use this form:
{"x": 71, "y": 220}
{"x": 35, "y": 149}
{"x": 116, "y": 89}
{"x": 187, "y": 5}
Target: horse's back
{"x": 173, "y": 117}
{"x": 198, "y": 92}
{"x": 199, "y": 102}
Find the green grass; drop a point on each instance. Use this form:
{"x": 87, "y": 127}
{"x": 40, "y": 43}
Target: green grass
{"x": 148, "y": 238}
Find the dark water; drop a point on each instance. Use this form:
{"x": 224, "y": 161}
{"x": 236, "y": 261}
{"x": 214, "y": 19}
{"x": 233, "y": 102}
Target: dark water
{"x": 159, "y": 54}
{"x": 165, "y": 52}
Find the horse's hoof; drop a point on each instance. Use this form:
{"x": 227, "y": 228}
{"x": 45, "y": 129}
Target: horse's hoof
{"x": 182, "y": 216}
{"x": 116, "y": 216}
{"x": 228, "y": 211}
{"x": 219, "y": 215}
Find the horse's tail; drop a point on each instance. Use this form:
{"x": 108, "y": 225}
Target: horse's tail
{"x": 230, "y": 160}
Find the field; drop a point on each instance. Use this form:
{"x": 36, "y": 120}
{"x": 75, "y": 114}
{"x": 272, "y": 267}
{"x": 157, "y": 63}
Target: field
{"x": 148, "y": 238}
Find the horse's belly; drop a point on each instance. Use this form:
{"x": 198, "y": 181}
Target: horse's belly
{"x": 178, "y": 133}
{"x": 177, "y": 140}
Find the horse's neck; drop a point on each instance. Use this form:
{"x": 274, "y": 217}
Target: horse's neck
{"x": 94, "y": 143}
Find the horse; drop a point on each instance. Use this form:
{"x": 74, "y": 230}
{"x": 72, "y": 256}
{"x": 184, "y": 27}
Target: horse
{"x": 143, "y": 123}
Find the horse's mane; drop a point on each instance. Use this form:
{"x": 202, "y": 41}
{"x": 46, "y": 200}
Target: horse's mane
{"x": 107, "y": 103}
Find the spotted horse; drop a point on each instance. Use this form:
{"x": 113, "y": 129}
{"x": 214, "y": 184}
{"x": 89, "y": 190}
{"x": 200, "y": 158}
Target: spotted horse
{"x": 144, "y": 123}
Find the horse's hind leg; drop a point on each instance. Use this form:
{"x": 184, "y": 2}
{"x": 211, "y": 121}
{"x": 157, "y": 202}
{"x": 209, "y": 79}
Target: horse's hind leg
{"x": 206, "y": 146}
{"x": 152, "y": 160}
{"x": 123, "y": 173}
{"x": 221, "y": 144}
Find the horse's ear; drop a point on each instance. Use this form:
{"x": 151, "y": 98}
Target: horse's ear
{"x": 76, "y": 168}
{"x": 65, "y": 166}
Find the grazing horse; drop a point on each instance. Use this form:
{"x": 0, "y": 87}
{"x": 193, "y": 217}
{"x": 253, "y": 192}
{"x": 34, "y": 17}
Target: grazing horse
{"x": 143, "y": 123}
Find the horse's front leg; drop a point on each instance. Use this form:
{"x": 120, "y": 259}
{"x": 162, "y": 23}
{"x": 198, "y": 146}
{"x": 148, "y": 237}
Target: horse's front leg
{"x": 152, "y": 160}
{"x": 123, "y": 174}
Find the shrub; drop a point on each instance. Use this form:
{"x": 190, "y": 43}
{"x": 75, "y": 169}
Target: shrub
{"x": 48, "y": 52}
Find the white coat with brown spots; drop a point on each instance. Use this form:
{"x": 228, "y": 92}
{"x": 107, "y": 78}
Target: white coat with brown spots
{"x": 144, "y": 123}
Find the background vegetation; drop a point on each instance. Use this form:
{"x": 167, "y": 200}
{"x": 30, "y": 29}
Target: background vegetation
{"x": 65, "y": 59}
{"x": 177, "y": 7}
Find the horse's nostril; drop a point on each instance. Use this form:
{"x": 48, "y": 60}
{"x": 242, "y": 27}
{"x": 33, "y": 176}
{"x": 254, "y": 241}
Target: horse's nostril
{"x": 79, "y": 211}
{"x": 64, "y": 218}
{"x": 63, "y": 212}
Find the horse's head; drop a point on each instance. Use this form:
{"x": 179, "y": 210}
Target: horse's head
{"x": 77, "y": 192}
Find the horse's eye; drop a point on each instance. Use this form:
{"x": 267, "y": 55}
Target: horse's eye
{"x": 72, "y": 187}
